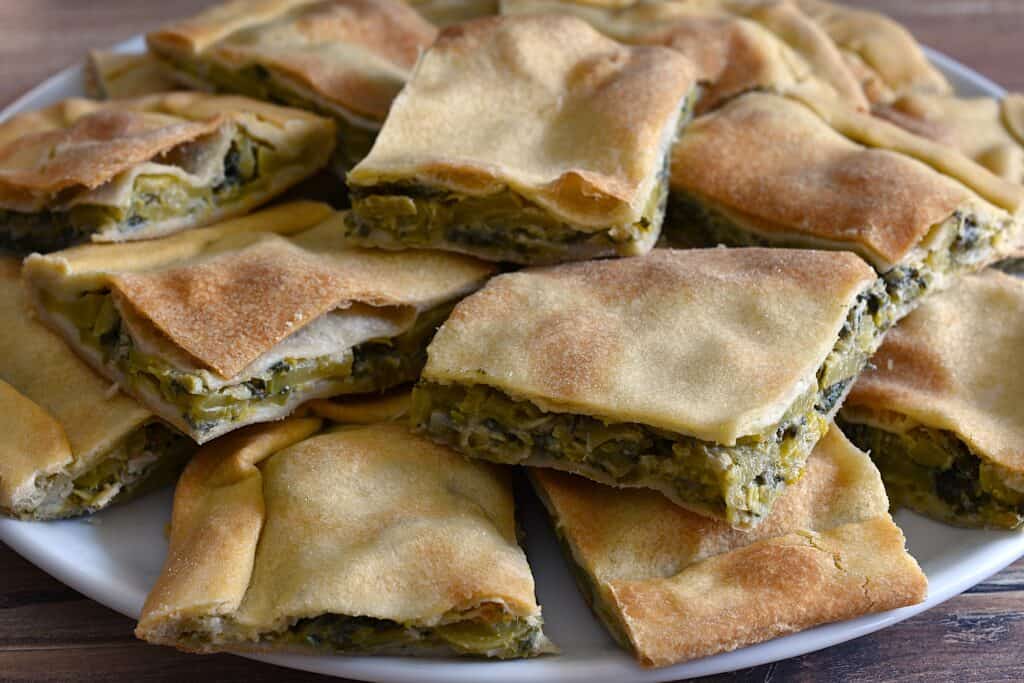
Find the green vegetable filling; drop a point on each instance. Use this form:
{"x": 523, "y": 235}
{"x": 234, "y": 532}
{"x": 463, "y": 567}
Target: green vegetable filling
{"x": 372, "y": 366}
{"x": 935, "y": 473}
{"x": 738, "y": 482}
{"x": 248, "y": 165}
{"x": 146, "y": 459}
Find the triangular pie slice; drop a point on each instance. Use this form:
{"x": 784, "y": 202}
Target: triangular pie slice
{"x": 356, "y": 540}
{"x": 672, "y": 586}
{"x": 147, "y": 167}
{"x": 940, "y": 409}
{"x": 708, "y": 375}
{"x": 243, "y": 321}
{"x": 72, "y": 443}
{"x": 492, "y": 147}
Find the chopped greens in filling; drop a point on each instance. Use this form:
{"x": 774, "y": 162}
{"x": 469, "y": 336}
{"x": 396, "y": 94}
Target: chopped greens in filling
{"x": 145, "y": 460}
{"x": 738, "y": 482}
{"x": 692, "y": 223}
{"x": 372, "y": 366}
{"x": 155, "y": 198}
{"x": 506, "y": 638}
{"x": 935, "y": 473}
{"x": 354, "y": 141}
{"x": 503, "y": 226}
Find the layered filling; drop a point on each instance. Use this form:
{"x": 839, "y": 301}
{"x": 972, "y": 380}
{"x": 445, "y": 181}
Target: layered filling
{"x": 502, "y": 226}
{"x": 935, "y": 473}
{"x": 970, "y": 241}
{"x": 204, "y": 403}
{"x": 257, "y": 82}
{"x": 168, "y": 189}
{"x": 493, "y": 635}
{"x": 146, "y": 459}
{"x": 738, "y": 482}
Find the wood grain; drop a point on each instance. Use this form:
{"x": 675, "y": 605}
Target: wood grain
{"x": 48, "y": 632}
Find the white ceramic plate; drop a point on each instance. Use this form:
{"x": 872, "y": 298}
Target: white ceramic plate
{"x": 115, "y": 556}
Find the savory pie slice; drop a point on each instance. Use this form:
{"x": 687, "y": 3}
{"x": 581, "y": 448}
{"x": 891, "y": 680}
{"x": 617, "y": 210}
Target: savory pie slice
{"x": 708, "y": 375}
{"x": 672, "y": 586}
{"x": 941, "y": 408}
{"x": 346, "y": 59}
{"x": 773, "y": 170}
{"x": 120, "y": 75}
{"x": 147, "y": 167}
{"x": 448, "y": 12}
{"x": 888, "y": 59}
{"x": 489, "y": 150}
{"x": 769, "y": 46}
{"x": 243, "y": 321}
{"x": 362, "y": 540}
{"x": 989, "y": 131}
{"x": 72, "y": 444}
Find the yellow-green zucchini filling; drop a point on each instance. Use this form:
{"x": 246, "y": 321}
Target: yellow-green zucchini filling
{"x": 255, "y": 81}
{"x": 372, "y": 366}
{"x": 248, "y": 167}
{"x": 693, "y": 223}
{"x": 738, "y": 482}
{"x": 934, "y": 472}
{"x": 146, "y": 459}
{"x": 505, "y": 638}
{"x": 503, "y": 226}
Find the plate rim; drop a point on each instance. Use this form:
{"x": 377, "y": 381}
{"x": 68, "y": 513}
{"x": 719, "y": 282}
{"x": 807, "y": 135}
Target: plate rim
{"x": 617, "y": 665}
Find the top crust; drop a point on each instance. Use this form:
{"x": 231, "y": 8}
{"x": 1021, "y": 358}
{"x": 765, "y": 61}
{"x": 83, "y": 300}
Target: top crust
{"x": 955, "y": 364}
{"x": 82, "y": 144}
{"x": 352, "y": 53}
{"x": 349, "y": 511}
{"x": 119, "y": 75}
{"x": 62, "y": 416}
{"x": 545, "y": 87}
{"x": 984, "y": 129}
{"x": 229, "y": 293}
{"x": 714, "y": 343}
{"x": 779, "y": 163}
{"x": 891, "y": 61}
{"x": 681, "y": 586}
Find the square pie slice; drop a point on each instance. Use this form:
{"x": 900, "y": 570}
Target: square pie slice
{"x": 71, "y": 444}
{"x": 791, "y": 171}
{"x": 489, "y": 150}
{"x": 241, "y": 322}
{"x": 120, "y": 75}
{"x": 987, "y": 130}
{"x": 672, "y": 586}
{"x": 142, "y": 168}
{"x": 708, "y": 375}
{"x": 346, "y": 59}
{"x": 770, "y": 46}
{"x": 361, "y": 540}
{"x": 941, "y": 409}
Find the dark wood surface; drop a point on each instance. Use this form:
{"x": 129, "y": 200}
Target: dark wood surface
{"x": 48, "y": 632}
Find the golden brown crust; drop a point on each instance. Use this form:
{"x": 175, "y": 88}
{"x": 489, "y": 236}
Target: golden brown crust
{"x": 77, "y": 145}
{"x": 548, "y": 86}
{"x": 120, "y": 75}
{"x": 776, "y": 161}
{"x": 49, "y": 388}
{"x": 603, "y": 338}
{"x": 955, "y": 364}
{"x": 393, "y": 405}
{"x": 349, "y": 511}
{"x": 890, "y": 57}
{"x": 353, "y": 54}
{"x": 680, "y": 586}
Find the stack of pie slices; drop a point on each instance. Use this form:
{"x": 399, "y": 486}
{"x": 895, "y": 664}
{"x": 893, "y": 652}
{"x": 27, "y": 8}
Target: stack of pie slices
{"x": 713, "y": 277}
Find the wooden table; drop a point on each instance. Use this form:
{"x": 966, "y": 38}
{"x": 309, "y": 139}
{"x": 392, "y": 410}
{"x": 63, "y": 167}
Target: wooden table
{"x": 48, "y": 632}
